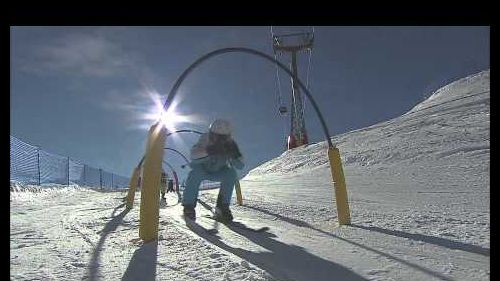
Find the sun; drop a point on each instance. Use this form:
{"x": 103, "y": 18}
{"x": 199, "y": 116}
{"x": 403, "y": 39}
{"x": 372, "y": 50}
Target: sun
{"x": 169, "y": 118}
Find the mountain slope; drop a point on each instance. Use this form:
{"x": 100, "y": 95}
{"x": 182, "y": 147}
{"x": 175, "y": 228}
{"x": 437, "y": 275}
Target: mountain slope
{"x": 454, "y": 120}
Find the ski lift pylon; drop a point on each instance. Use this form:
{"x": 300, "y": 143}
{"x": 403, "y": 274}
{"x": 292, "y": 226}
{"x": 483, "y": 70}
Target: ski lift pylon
{"x": 283, "y": 110}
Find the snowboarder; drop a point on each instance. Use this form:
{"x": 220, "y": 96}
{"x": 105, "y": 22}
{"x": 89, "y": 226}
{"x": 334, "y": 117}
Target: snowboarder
{"x": 214, "y": 157}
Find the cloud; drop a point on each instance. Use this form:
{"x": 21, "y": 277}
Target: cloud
{"x": 132, "y": 104}
{"x": 83, "y": 54}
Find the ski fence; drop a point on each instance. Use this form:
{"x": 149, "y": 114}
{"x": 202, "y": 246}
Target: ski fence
{"x": 31, "y": 165}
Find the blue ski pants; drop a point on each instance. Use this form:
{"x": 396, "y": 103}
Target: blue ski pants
{"x": 227, "y": 176}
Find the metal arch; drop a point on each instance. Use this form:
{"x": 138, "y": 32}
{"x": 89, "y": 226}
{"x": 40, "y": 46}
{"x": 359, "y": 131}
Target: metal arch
{"x": 170, "y": 166}
{"x": 183, "y": 76}
{"x": 171, "y": 133}
{"x": 175, "y": 150}
{"x": 185, "y": 131}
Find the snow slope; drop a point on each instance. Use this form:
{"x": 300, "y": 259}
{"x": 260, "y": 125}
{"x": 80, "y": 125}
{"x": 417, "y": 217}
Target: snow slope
{"x": 419, "y": 195}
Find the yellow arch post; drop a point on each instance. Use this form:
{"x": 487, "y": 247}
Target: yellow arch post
{"x": 132, "y": 186}
{"x": 343, "y": 212}
{"x": 150, "y": 183}
{"x": 239, "y": 198}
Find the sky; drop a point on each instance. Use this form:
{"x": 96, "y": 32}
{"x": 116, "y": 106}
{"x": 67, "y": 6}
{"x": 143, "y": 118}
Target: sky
{"x": 419, "y": 206}
{"x": 86, "y": 92}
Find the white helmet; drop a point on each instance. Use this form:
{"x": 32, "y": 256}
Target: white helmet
{"x": 221, "y": 127}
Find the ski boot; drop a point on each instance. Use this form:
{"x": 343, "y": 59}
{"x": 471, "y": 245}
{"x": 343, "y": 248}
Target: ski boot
{"x": 223, "y": 214}
{"x": 189, "y": 212}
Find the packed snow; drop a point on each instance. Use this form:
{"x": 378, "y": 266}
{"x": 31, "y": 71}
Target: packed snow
{"x": 419, "y": 196}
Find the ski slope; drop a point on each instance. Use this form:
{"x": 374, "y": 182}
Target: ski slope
{"x": 419, "y": 195}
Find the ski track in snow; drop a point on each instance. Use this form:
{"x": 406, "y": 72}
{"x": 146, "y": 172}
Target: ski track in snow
{"x": 419, "y": 196}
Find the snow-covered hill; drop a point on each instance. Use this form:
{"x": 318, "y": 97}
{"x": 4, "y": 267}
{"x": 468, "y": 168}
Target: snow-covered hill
{"x": 453, "y": 121}
{"x": 419, "y": 195}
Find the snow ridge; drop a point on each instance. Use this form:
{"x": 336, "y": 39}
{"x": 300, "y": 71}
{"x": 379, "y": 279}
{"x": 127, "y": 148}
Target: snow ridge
{"x": 455, "y": 118}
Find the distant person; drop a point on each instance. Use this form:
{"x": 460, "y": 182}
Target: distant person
{"x": 170, "y": 187}
{"x": 179, "y": 189}
{"x": 163, "y": 185}
{"x": 214, "y": 157}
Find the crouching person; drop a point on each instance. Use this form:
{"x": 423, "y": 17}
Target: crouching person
{"x": 214, "y": 157}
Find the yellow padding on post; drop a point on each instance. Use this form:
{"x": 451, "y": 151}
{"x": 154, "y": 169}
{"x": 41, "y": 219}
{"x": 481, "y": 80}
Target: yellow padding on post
{"x": 339, "y": 186}
{"x": 150, "y": 183}
{"x": 239, "y": 198}
{"x": 132, "y": 186}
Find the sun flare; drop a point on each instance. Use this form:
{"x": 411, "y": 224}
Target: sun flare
{"x": 169, "y": 118}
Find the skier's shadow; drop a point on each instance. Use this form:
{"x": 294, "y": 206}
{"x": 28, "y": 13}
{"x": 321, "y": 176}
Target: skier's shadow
{"x": 283, "y": 261}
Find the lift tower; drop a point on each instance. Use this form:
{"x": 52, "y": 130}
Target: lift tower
{"x": 303, "y": 41}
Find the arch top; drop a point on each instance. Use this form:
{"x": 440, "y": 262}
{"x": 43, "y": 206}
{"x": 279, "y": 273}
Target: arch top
{"x": 184, "y": 74}
{"x": 178, "y": 152}
{"x": 184, "y": 131}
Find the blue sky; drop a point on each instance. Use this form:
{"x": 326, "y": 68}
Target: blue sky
{"x": 83, "y": 92}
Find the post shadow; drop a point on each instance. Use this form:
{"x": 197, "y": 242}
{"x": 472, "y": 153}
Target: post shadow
{"x": 112, "y": 225}
{"x": 116, "y": 210}
{"x": 305, "y": 224}
{"x": 142, "y": 266}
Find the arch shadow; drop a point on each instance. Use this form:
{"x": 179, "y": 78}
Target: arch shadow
{"x": 305, "y": 224}
{"x": 450, "y": 244}
{"x": 112, "y": 225}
